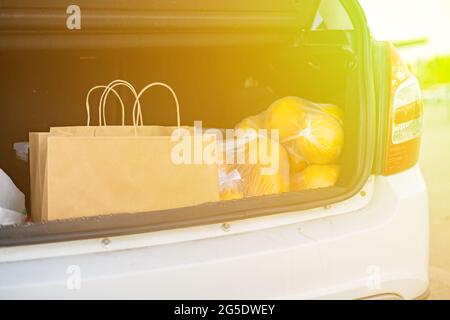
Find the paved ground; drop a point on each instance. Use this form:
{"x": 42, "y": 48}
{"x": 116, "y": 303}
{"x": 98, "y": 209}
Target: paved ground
{"x": 435, "y": 163}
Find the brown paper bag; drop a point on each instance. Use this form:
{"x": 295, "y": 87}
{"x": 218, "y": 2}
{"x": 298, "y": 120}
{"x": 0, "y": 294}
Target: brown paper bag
{"x": 87, "y": 171}
{"x": 38, "y": 158}
{"x": 103, "y": 175}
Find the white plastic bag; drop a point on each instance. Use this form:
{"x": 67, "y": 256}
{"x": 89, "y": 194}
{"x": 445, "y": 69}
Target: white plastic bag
{"x": 230, "y": 184}
{"x": 12, "y": 202}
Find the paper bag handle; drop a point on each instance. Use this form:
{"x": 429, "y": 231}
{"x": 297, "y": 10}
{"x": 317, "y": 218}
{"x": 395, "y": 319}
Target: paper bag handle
{"x": 137, "y": 117}
{"x": 88, "y": 111}
{"x": 154, "y": 84}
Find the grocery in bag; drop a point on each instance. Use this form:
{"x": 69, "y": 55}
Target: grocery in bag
{"x": 311, "y": 139}
{"x": 98, "y": 170}
{"x": 306, "y": 130}
{"x": 315, "y": 177}
{"x": 263, "y": 170}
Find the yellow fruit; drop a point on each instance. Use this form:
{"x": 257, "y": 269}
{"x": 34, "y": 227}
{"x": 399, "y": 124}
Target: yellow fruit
{"x": 296, "y": 162}
{"x": 285, "y": 114}
{"x": 265, "y": 184}
{"x": 270, "y": 174}
{"x": 253, "y": 122}
{"x": 315, "y": 177}
{"x": 231, "y": 195}
{"x": 321, "y": 139}
{"x": 311, "y": 133}
{"x": 334, "y": 111}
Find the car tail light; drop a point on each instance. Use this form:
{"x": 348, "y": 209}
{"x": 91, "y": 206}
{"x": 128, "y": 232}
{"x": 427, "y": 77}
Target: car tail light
{"x": 405, "y": 118}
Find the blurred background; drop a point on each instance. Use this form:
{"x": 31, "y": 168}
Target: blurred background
{"x": 420, "y": 29}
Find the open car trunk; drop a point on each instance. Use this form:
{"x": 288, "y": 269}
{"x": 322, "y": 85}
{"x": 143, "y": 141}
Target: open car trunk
{"x": 224, "y": 66}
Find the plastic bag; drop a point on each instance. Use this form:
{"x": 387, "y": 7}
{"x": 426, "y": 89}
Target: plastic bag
{"x": 310, "y": 137}
{"x": 12, "y": 202}
{"x": 267, "y": 177}
{"x": 311, "y": 133}
{"x": 261, "y": 163}
{"x": 230, "y": 184}
{"x": 315, "y": 177}
{"x": 333, "y": 111}
{"x": 21, "y": 149}
{"x": 252, "y": 122}
{"x": 319, "y": 139}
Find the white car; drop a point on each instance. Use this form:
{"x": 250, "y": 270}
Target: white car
{"x": 365, "y": 238}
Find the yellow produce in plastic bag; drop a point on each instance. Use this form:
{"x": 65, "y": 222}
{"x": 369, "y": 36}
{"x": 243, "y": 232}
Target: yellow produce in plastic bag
{"x": 315, "y": 177}
{"x": 253, "y": 122}
{"x": 296, "y": 162}
{"x": 312, "y": 133}
{"x": 231, "y": 195}
{"x": 264, "y": 171}
{"x": 259, "y": 183}
{"x": 230, "y": 184}
{"x": 285, "y": 115}
{"x": 334, "y": 111}
{"x": 320, "y": 139}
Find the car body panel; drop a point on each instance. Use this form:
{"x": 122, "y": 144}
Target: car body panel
{"x": 379, "y": 248}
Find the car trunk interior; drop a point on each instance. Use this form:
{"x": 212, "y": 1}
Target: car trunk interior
{"x": 219, "y": 81}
